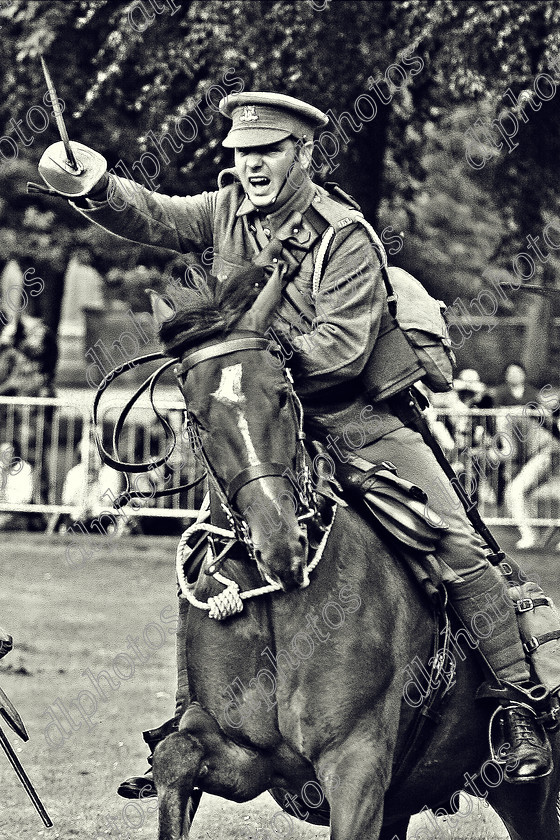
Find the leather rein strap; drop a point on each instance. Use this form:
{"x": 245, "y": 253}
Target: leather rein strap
{"x": 145, "y": 466}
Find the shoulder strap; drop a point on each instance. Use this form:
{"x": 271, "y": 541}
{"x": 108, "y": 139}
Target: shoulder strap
{"x": 324, "y": 251}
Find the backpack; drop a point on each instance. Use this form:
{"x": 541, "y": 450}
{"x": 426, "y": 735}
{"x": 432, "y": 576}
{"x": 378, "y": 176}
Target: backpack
{"x": 413, "y": 343}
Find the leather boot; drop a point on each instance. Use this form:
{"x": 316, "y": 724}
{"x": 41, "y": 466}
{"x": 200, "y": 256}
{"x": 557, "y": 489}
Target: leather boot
{"x": 142, "y": 787}
{"x": 524, "y": 745}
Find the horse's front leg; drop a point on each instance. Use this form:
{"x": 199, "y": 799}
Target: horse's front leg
{"x": 177, "y": 761}
{"x": 356, "y": 782}
{"x": 201, "y": 754}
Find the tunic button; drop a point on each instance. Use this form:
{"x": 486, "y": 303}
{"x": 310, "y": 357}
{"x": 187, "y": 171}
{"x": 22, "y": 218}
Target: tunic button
{"x": 295, "y": 230}
{"x": 266, "y": 232}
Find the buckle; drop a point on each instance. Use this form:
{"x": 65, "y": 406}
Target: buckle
{"x": 524, "y": 605}
{"x": 531, "y": 645}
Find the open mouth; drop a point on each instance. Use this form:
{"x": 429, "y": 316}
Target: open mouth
{"x": 259, "y": 181}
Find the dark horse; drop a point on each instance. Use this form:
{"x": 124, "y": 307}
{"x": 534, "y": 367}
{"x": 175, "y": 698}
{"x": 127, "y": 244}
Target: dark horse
{"x": 302, "y": 692}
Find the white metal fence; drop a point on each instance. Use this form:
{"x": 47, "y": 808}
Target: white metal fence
{"x": 49, "y": 463}
{"x": 508, "y": 460}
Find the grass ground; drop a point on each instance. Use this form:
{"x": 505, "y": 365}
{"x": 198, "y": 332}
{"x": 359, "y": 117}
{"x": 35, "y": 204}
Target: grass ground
{"x": 93, "y": 666}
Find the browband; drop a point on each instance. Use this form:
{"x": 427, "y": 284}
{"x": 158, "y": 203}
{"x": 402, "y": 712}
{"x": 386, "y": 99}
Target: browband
{"x": 221, "y": 349}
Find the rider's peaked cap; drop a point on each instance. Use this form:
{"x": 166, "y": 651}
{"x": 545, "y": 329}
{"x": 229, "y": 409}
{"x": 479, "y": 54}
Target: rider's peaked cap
{"x": 263, "y": 118}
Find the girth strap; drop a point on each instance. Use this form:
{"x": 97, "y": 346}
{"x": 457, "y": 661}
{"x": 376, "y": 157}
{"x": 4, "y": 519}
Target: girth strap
{"x": 267, "y": 468}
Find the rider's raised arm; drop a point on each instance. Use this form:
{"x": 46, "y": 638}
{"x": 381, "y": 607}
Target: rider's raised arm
{"x": 125, "y": 208}
{"x": 179, "y": 223}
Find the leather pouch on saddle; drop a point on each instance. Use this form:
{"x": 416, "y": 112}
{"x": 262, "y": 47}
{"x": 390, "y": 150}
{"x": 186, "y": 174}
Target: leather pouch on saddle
{"x": 395, "y": 503}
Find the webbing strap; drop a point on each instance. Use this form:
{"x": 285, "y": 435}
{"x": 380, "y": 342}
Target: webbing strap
{"x": 536, "y": 641}
{"x": 528, "y": 604}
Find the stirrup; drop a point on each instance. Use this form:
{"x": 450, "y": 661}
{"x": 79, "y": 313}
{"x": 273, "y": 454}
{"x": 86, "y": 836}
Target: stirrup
{"x": 534, "y": 697}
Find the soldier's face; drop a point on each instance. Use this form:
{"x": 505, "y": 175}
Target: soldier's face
{"x": 264, "y": 170}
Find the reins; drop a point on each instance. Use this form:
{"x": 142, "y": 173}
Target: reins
{"x": 127, "y": 467}
{"x": 230, "y": 600}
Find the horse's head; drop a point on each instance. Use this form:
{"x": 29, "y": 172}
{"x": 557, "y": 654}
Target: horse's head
{"x": 247, "y": 426}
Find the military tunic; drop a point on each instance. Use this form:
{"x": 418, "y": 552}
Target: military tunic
{"x": 220, "y": 226}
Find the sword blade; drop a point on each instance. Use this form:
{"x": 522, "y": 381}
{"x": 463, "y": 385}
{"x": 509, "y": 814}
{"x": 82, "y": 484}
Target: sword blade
{"x": 11, "y": 716}
{"x": 59, "y": 119}
{"x": 25, "y": 780}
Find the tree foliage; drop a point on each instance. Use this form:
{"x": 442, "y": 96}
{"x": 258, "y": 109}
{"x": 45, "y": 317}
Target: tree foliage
{"x": 144, "y": 78}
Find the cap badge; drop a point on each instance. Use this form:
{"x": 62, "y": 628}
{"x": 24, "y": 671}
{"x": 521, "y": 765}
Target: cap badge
{"x": 249, "y": 114}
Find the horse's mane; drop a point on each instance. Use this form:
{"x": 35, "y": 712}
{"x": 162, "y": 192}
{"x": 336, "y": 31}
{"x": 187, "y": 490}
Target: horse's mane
{"x": 206, "y": 309}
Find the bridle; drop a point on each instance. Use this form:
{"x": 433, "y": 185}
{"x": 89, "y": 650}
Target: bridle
{"x": 304, "y": 495}
{"x": 303, "y": 487}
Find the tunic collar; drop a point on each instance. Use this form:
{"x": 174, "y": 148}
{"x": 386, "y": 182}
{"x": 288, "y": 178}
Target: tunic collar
{"x": 298, "y": 202}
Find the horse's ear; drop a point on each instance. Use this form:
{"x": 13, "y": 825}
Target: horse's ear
{"x": 258, "y": 317}
{"x": 160, "y": 307}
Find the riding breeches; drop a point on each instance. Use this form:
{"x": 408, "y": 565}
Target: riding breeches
{"x": 477, "y": 589}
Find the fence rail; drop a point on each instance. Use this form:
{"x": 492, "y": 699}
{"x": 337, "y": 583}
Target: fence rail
{"x": 50, "y": 464}
{"x": 507, "y": 459}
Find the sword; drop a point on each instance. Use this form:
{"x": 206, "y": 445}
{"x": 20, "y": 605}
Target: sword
{"x": 59, "y": 119}
{"x": 13, "y": 719}
{"x": 24, "y": 779}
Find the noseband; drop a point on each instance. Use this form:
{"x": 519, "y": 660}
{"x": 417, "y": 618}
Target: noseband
{"x": 302, "y": 485}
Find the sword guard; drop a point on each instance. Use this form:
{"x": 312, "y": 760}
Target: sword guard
{"x": 68, "y": 166}
{"x": 63, "y": 178}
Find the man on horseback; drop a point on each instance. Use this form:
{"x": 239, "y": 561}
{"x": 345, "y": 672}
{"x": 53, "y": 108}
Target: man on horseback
{"x": 267, "y": 209}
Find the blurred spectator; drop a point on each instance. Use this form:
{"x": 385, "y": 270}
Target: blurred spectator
{"x": 533, "y": 444}
{"x": 16, "y": 486}
{"x": 528, "y": 479}
{"x": 514, "y": 425}
{"x": 515, "y": 389}
{"x": 27, "y": 358}
{"x": 473, "y": 434}
{"x": 90, "y": 487}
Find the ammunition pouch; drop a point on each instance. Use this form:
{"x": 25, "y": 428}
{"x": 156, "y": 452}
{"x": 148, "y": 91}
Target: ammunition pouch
{"x": 396, "y": 504}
